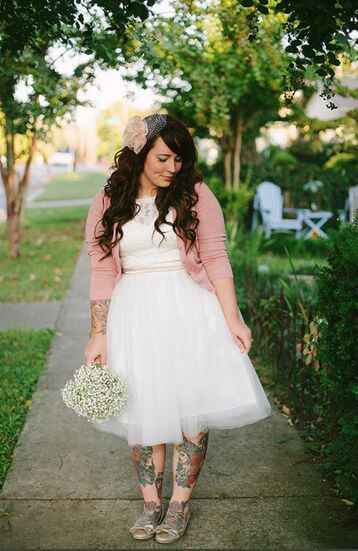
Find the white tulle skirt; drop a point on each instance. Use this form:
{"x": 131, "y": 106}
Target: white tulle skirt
{"x": 168, "y": 337}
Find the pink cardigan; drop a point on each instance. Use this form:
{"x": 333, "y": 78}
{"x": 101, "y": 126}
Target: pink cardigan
{"x": 205, "y": 262}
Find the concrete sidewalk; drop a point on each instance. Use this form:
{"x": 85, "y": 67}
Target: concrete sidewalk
{"x": 29, "y": 315}
{"x": 59, "y": 203}
{"x": 73, "y": 487}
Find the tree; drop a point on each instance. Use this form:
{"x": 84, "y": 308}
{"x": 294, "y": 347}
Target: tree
{"x": 317, "y": 34}
{"x": 209, "y": 74}
{"x": 50, "y": 96}
{"x": 110, "y": 126}
{"x": 29, "y": 32}
{"x": 25, "y": 24}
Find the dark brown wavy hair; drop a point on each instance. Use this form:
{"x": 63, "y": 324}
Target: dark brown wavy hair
{"x": 122, "y": 188}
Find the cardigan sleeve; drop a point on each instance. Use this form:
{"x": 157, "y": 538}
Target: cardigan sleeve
{"x": 212, "y": 235}
{"x": 102, "y": 272}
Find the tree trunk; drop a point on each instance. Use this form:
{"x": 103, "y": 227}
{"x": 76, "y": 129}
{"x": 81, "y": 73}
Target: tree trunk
{"x": 15, "y": 191}
{"x": 12, "y": 213}
{"x": 237, "y": 153}
{"x": 228, "y": 171}
{"x": 249, "y": 153}
{"x": 75, "y": 160}
{"x": 13, "y": 232}
{"x": 232, "y": 156}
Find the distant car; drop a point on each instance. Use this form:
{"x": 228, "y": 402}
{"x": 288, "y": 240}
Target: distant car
{"x": 62, "y": 158}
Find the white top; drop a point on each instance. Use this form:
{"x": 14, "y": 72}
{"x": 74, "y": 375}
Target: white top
{"x": 141, "y": 250}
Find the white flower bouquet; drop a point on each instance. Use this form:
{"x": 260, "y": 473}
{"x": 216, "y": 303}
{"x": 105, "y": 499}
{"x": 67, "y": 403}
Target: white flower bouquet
{"x": 95, "y": 392}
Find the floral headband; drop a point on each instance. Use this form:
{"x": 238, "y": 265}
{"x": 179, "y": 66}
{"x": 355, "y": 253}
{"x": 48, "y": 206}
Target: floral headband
{"x": 138, "y": 131}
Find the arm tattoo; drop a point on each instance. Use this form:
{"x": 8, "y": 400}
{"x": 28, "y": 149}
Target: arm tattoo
{"x": 99, "y": 313}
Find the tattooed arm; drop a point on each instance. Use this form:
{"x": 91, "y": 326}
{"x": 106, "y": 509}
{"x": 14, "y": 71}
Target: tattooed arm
{"x": 214, "y": 256}
{"x": 103, "y": 273}
{"x": 96, "y": 349}
{"x": 99, "y": 313}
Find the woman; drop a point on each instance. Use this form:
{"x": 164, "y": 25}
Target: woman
{"x": 164, "y": 315}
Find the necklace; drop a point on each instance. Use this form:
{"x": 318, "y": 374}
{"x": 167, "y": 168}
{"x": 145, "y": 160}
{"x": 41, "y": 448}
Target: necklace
{"x": 146, "y": 198}
{"x": 148, "y": 210}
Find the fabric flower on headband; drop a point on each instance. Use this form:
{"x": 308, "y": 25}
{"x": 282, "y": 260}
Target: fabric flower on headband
{"x": 135, "y": 134}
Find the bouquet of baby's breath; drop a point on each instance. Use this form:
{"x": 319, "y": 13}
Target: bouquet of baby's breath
{"x": 95, "y": 392}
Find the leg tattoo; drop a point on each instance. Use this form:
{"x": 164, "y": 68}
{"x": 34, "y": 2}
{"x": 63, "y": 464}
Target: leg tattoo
{"x": 188, "y": 459}
{"x": 159, "y": 483}
{"x": 143, "y": 460}
{"x": 191, "y": 457}
{"x": 145, "y": 468}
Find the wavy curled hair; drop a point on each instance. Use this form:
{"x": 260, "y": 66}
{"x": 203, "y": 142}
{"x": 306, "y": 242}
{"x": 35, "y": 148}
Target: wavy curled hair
{"x": 122, "y": 188}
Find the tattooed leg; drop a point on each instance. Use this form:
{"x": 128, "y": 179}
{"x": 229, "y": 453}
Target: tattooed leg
{"x": 188, "y": 459}
{"x": 149, "y": 462}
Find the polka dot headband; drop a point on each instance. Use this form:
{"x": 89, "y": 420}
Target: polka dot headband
{"x": 138, "y": 131}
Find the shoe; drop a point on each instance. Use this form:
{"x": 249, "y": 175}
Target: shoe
{"x": 175, "y": 523}
{"x": 145, "y": 525}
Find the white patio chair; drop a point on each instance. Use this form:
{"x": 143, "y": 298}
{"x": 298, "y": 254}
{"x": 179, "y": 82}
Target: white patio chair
{"x": 350, "y": 207}
{"x": 268, "y": 201}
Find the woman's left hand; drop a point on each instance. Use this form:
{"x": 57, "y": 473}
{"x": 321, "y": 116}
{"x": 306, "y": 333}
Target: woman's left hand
{"x": 242, "y": 334}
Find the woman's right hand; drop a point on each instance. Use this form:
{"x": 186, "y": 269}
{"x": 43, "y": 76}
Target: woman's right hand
{"x": 96, "y": 350}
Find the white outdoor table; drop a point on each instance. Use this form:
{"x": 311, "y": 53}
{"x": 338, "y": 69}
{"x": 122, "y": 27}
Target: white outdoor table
{"x": 314, "y": 219}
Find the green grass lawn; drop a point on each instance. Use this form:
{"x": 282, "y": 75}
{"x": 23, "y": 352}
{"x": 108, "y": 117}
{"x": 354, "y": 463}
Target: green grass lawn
{"x": 73, "y": 185}
{"x": 280, "y": 264}
{"x": 23, "y": 356}
{"x": 52, "y": 239}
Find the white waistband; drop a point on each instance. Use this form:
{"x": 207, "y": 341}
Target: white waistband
{"x": 158, "y": 269}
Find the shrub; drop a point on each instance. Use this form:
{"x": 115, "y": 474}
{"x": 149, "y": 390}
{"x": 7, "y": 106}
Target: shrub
{"x": 235, "y": 205}
{"x": 279, "y": 242}
{"x": 338, "y": 306}
{"x": 306, "y": 333}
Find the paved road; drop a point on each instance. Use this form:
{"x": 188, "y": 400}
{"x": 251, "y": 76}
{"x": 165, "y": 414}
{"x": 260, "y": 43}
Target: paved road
{"x": 38, "y": 180}
{"x": 40, "y": 176}
{"x": 73, "y": 487}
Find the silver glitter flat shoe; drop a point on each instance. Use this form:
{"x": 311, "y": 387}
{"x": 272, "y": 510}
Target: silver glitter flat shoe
{"x": 145, "y": 525}
{"x": 174, "y": 524}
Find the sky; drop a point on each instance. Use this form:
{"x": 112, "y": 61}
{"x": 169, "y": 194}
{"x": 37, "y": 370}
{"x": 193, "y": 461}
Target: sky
{"x": 109, "y": 85}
